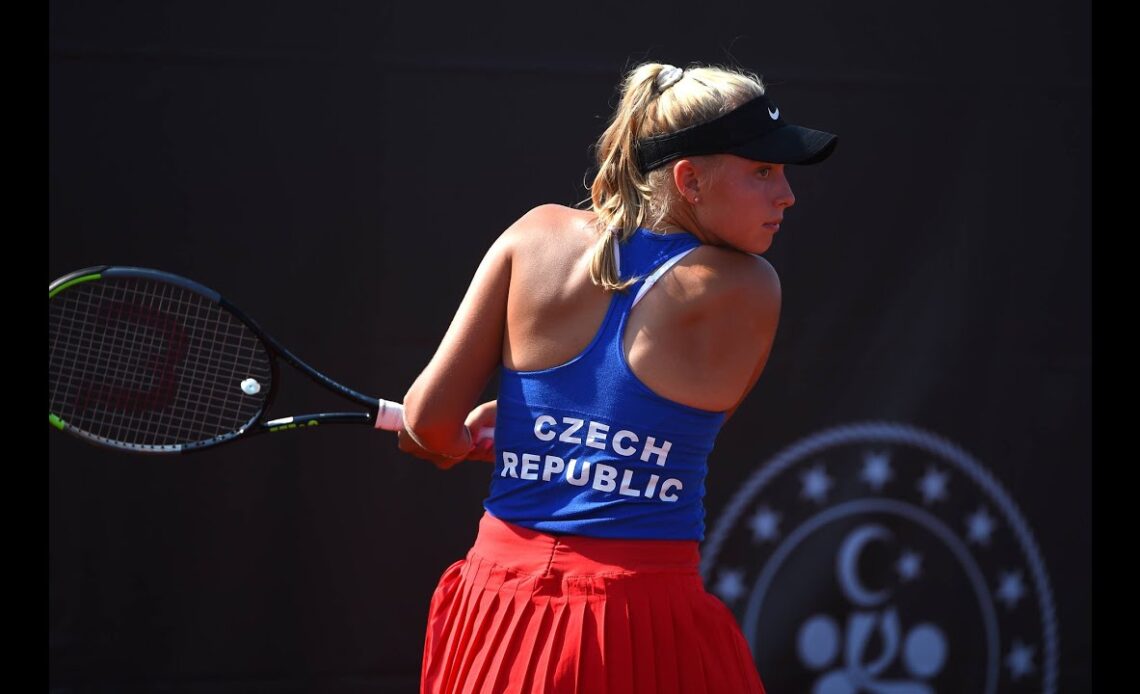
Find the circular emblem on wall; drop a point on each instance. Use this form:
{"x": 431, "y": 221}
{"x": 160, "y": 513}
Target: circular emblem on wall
{"x": 876, "y": 557}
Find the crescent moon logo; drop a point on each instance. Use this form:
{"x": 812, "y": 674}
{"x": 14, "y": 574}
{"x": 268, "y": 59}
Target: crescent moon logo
{"x": 847, "y": 565}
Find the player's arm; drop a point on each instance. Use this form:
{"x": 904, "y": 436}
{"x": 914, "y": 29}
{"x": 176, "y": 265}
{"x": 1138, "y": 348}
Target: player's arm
{"x": 447, "y": 391}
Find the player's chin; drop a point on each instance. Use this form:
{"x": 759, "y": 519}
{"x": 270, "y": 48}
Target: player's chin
{"x": 758, "y": 245}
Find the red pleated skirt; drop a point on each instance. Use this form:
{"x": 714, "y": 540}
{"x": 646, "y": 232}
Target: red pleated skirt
{"x": 532, "y": 612}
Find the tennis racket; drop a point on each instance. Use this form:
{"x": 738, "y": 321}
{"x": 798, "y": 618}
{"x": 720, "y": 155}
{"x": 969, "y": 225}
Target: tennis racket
{"x": 146, "y": 361}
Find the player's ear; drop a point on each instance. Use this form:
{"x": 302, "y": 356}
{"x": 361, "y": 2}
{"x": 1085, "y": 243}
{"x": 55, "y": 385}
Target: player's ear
{"x": 687, "y": 179}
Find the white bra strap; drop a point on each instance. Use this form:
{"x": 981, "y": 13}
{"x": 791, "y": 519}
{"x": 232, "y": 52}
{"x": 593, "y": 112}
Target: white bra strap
{"x": 652, "y": 279}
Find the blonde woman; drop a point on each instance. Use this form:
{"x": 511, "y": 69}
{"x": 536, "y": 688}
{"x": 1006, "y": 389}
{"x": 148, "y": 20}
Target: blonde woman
{"x": 626, "y": 334}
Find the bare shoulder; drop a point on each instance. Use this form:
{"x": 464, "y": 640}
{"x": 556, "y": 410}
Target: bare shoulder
{"x": 725, "y": 279}
{"x": 713, "y": 326}
{"x": 547, "y": 222}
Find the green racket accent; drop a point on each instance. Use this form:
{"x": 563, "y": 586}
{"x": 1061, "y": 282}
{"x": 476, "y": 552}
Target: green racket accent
{"x": 56, "y": 422}
{"x": 294, "y": 425}
{"x": 72, "y": 283}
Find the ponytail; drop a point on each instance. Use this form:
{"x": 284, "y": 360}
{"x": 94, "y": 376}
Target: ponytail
{"x": 655, "y": 99}
{"x": 620, "y": 189}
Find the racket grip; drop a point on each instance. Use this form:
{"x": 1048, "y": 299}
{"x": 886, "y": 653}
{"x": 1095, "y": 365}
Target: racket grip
{"x": 390, "y": 417}
{"x": 485, "y": 433}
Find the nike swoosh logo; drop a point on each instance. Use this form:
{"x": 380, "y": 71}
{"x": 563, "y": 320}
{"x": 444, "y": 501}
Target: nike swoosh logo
{"x": 774, "y": 114}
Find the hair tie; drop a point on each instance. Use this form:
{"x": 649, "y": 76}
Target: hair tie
{"x": 668, "y": 77}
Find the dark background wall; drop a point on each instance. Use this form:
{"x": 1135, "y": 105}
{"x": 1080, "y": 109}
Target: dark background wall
{"x": 338, "y": 168}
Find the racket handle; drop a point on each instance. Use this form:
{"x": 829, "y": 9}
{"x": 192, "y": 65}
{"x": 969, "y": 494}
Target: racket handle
{"x": 485, "y": 433}
{"x": 390, "y": 417}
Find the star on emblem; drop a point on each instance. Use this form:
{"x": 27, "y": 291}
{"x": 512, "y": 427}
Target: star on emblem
{"x": 876, "y": 470}
{"x": 1019, "y": 660}
{"x": 909, "y": 565}
{"x": 815, "y": 484}
{"x": 1010, "y": 589}
{"x": 979, "y": 527}
{"x": 765, "y": 525}
{"x": 933, "y": 486}
{"x": 730, "y": 585}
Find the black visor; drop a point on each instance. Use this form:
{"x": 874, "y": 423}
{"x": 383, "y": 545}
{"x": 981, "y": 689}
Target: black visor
{"x": 753, "y": 131}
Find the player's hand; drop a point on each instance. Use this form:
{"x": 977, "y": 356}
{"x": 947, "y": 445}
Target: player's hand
{"x": 479, "y": 418}
{"x": 483, "y": 417}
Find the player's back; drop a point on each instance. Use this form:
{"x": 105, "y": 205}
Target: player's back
{"x": 700, "y": 337}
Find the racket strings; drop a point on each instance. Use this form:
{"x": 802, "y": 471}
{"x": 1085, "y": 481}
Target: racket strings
{"x": 151, "y": 364}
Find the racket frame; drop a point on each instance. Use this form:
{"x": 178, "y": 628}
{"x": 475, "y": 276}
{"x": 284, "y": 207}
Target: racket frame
{"x": 388, "y": 411}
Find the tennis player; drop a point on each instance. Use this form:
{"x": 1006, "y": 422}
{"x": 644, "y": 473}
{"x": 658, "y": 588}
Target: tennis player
{"x": 627, "y": 334}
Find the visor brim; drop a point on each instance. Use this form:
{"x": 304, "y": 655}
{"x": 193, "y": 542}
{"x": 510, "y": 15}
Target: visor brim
{"x": 790, "y": 144}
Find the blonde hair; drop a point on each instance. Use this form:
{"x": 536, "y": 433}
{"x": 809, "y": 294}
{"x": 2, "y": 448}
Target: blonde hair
{"x": 621, "y": 196}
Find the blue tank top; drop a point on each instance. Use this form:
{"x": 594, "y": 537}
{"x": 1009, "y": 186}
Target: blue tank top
{"x": 586, "y": 448}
